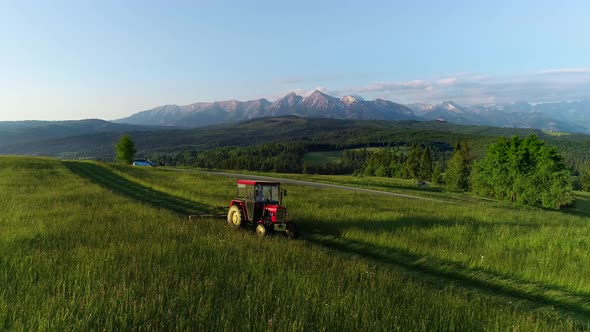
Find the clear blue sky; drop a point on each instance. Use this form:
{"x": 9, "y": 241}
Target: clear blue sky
{"x": 109, "y": 59}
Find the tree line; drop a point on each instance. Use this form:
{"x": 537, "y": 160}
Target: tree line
{"x": 520, "y": 170}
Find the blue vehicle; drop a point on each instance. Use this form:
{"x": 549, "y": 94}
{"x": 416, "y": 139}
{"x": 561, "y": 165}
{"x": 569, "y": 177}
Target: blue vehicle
{"x": 143, "y": 162}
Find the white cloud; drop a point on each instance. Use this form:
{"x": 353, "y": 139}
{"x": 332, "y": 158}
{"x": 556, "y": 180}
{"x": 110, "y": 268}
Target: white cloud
{"x": 559, "y": 71}
{"x": 545, "y": 85}
{"x": 469, "y": 88}
{"x": 447, "y": 81}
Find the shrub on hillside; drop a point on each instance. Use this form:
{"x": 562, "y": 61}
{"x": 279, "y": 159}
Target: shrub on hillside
{"x": 125, "y": 150}
{"x": 523, "y": 171}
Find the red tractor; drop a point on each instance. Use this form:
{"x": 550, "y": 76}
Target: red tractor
{"x": 258, "y": 203}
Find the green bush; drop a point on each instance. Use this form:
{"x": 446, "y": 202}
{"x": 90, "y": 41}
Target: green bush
{"x": 524, "y": 171}
{"x": 125, "y": 150}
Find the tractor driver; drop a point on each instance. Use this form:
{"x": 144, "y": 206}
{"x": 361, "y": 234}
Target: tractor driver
{"x": 258, "y": 194}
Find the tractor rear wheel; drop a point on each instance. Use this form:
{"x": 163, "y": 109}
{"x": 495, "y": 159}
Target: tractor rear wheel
{"x": 261, "y": 230}
{"x": 235, "y": 217}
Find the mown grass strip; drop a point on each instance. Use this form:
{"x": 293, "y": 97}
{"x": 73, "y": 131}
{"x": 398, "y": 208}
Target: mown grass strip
{"x": 489, "y": 281}
{"x": 120, "y": 185}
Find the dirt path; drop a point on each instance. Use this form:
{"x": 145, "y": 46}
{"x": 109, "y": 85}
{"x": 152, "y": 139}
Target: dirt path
{"x": 302, "y": 183}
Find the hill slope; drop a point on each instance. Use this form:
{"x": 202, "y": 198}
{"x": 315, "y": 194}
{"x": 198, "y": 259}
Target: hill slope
{"x": 70, "y": 263}
{"x": 19, "y": 132}
{"x": 318, "y": 132}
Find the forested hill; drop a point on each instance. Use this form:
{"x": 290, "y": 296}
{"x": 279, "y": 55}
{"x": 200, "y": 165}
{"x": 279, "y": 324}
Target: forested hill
{"x": 20, "y": 133}
{"x": 315, "y": 134}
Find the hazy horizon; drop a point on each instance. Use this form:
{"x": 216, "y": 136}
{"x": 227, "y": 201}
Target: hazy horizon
{"x": 66, "y": 60}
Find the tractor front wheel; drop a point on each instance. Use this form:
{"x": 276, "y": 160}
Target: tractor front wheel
{"x": 261, "y": 230}
{"x": 235, "y": 217}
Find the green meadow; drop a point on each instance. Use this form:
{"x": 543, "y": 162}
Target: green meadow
{"x": 320, "y": 157}
{"x": 86, "y": 245}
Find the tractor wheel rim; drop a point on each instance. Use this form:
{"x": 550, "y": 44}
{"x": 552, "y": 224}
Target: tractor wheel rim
{"x": 260, "y": 230}
{"x": 234, "y": 218}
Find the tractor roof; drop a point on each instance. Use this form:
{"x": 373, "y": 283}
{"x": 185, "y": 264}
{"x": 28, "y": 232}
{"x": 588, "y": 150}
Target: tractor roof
{"x": 253, "y": 182}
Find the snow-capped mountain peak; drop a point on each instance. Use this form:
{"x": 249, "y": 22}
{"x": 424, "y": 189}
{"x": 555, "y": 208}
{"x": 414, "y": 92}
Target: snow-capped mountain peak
{"x": 451, "y": 106}
{"x": 348, "y": 100}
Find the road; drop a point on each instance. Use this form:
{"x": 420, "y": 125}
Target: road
{"x": 302, "y": 183}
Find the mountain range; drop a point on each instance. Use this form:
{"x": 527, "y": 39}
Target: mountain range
{"x": 207, "y": 125}
{"x": 558, "y": 116}
{"x": 573, "y": 116}
{"x": 316, "y": 105}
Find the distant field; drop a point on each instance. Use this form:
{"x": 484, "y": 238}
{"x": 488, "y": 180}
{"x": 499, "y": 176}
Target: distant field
{"x": 374, "y": 149}
{"x": 556, "y": 133}
{"x": 102, "y": 246}
{"x": 322, "y": 156}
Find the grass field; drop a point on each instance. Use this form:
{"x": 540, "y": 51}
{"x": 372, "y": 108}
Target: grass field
{"x": 101, "y": 246}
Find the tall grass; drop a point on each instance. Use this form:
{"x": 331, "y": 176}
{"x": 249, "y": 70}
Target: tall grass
{"x": 533, "y": 244}
{"x": 78, "y": 252}
{"x": 533, "y": 253}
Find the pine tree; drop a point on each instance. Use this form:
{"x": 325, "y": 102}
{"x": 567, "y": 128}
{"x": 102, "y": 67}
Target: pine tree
{"x": 381, "y": 171}
{"x": 459, "y": 168}
{"x": 584, "y": 176}
{"x": 426, "y": 166}
{"x": 306, "y": 167}
{"x": 413, "y": 161}
{"x": 437, "y": 173}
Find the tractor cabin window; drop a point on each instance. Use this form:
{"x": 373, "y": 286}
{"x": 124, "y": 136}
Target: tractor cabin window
{"x": 241, "y": 193}
{"x": 267, "y": 193}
